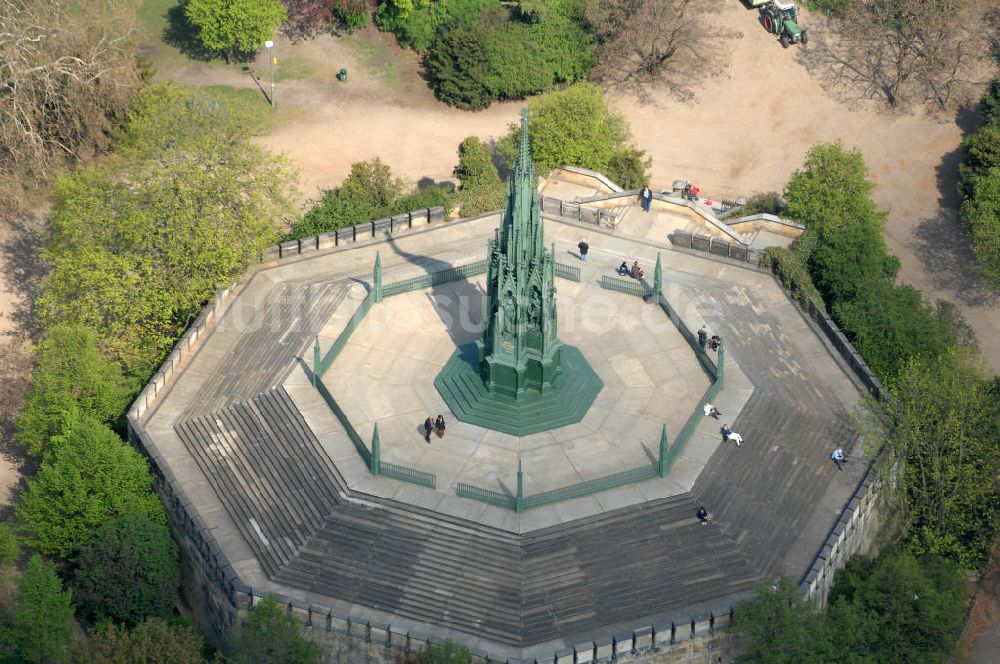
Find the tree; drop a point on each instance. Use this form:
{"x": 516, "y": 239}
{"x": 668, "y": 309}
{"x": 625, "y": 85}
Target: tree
{"x": 235, "y": 26}
{"x": 153, "y": 641}
{"x": 982, "y": 154}
{"x": 506, "y": 55}
{"x": 72, "y": 380}
{"x": 649, "y": 43}
{"x": 448, "y": 653}
{"x": 889, "y": 324}
{"x": 832, "y": 190}
{"x": 903, "y": 52}
{"x": 575, "y": 127}
{"x": 271, "y": 634}
{"x": 913, "y": 608}
{"x": 981, "y": 215}
{"x": 140, "y": 243}
{"x": 369, "y": 191}
{"x": 10, "y": 546}
{"x": 69, "y": 71}
{"x": 88, "y": 477}
{"x": 849, "y": 260}
{"x": 943, "y": 447}
{"x": 42, "y": 628}
{"x": 129, "y": 570}
{"x": 780, "y": 626}
{"x": 481, "y": 189}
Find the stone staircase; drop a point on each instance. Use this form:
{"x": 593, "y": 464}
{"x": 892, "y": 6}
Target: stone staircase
{"x": 287, "y": 500}
{"x": 268, "y": 470}
{"x": 278, "y": 330}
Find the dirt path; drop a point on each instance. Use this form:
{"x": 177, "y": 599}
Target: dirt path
{"x": 747, "y": 131}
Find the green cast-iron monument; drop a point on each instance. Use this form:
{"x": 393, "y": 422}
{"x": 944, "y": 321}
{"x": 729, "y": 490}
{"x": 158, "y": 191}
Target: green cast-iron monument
{"x": 518, "y": 377}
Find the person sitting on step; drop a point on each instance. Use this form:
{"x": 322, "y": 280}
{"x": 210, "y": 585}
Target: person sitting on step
{"x": 623, "y": 269}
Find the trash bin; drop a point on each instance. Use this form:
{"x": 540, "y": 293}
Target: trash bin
{"x": 342, "y": 75}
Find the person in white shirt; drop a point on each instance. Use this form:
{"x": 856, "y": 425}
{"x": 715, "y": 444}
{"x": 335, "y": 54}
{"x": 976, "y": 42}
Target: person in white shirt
{"x": 839, "y": 457}
{"x": 711, "y": 411}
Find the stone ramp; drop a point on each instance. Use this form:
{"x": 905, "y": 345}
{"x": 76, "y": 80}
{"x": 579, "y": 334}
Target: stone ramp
{"x": 268, "y": 341}
{"x": 268, "y": 470}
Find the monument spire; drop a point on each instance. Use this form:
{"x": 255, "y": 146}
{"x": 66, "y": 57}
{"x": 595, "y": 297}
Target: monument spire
{"x": 520, "y": 378}
{"x": 519, "y": 349}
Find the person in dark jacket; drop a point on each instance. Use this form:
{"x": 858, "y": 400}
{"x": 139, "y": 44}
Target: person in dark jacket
{"x": 428, "y": 427}
{"x": 647, "y": 197}
{"x": 439, "y": 426}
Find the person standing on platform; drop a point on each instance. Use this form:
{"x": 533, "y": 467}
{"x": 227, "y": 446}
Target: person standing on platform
{"x": 647, "y": 197}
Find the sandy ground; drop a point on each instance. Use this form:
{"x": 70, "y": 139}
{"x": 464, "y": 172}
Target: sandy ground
{"x": 12, "y": 373}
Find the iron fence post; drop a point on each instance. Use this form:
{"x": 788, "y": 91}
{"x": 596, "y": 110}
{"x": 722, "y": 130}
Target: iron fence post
{"x": 376, "y": 460}
{"x": 317, "y": 361}
{"x": 661, "y": 469}
{"x": 519, "y": 500}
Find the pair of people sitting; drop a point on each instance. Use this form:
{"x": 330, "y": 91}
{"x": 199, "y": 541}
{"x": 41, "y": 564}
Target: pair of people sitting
{"x": 635, "y": 271}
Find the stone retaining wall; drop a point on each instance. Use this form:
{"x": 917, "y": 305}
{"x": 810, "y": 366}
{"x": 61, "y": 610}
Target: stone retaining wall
{"x": 345, "y": 638}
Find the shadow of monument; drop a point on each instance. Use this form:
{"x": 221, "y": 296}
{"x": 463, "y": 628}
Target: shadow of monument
{"x": 458, "y": 303}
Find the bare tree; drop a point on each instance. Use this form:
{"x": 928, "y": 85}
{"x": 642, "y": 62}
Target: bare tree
{"x": 903, "y": 52}
{"x": 642, "y": 43}
{"x": 67, "y": 72}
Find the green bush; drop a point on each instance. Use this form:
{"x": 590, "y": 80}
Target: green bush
{"x": 447, "y": 653}
{"x": 481, "y": 189}
{"x": 129, "y": 570}
{"x": 912, "y": 608}
{"x": 889, "y": 324}
{"x": 576, "y": 127}
{"x": 496, "y": 57}
{"x": 235, "y": 26}
{"x": 416, "y": 22}
{"x": 88, "y": 477}
{"x": 849, "y": 260}
{"x": 981, "y": 215}
{"x": 352, "y": 14}
{"x": 982, "y": 153}
{"x": 780, "y": 626}
{"x": 991, "y": 104}
{"x": 271, "y": 634}
{"x": 71, "y": 380}
{"x": 153, "y": 641}
{"x": 893, "y": 609}
{"x": 944, "y": 414}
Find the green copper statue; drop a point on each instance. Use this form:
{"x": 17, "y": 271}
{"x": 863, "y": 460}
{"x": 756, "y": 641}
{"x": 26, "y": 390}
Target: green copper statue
{"x": 519, "y": 350}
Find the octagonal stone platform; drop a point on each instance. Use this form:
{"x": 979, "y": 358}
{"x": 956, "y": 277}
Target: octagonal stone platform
{"x": 386, "y": 375}
{"x": 258, "y": 457}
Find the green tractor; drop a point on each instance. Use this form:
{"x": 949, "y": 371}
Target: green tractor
{"x": 782, "y": 19}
